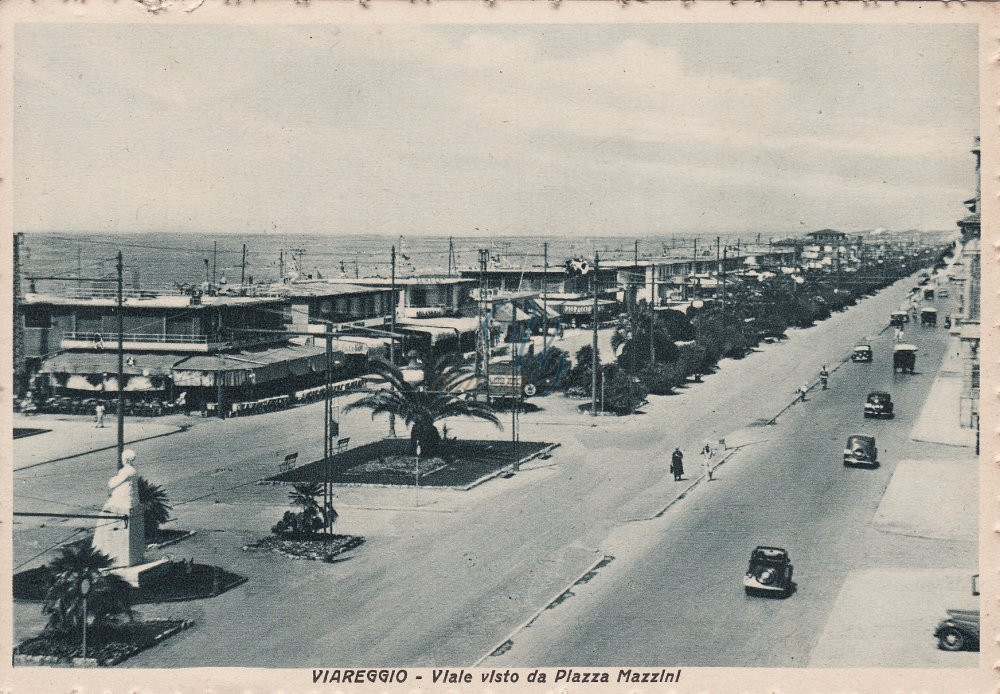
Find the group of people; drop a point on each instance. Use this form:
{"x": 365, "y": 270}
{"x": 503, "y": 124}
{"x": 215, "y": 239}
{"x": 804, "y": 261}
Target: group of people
{"x": 677, "y": 462}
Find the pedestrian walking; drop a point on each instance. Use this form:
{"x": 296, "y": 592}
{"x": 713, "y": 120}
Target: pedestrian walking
{"x": 824, "y": 376}
{"x": 707, "y": 454}
{"x": 677, "y": 464}
{"x": 99, "y": 415}
{"x": 803, "y": 389}
{"x": 897, "y": 334}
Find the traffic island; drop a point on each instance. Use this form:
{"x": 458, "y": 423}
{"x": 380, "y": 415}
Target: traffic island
{"x": 455, "y": 465}
{"x": 174, "y": 581}
{"x": 106, "y": 645}
{"x": 315, "y": 546}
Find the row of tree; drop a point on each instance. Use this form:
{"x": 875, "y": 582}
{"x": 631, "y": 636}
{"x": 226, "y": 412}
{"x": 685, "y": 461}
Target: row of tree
{"x": 656, "y": 352}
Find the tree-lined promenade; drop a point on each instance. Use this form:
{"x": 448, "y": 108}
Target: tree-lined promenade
{"x": 688, "y": 344}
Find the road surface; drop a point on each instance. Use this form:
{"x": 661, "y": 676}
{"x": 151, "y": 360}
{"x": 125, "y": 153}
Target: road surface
{"x": 444, "y": 583}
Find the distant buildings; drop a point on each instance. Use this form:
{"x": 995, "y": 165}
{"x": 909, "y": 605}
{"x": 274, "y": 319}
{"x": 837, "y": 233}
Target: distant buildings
{"x": 969, "y": 328}
{"x": 217, "y": 348}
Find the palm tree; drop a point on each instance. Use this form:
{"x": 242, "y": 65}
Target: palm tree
{"x": 439, "y": 396}
{"x": 109, "y": 598}
{"x": 304, "y": 496}
{"x": 155, "y": 507}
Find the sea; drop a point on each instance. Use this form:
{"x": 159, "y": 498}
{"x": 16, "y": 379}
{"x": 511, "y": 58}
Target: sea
{"x": 163, "y": 260}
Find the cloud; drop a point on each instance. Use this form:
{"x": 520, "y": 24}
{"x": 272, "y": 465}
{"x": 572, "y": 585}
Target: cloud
{"x": 524, "y": 128}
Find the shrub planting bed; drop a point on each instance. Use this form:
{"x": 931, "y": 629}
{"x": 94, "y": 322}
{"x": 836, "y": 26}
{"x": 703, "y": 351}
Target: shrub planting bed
{"x": 390, "y": 462}
{"x": 173, "y": 582}
{"x": 315, "y": 546}
{"x": 107, "y": 645}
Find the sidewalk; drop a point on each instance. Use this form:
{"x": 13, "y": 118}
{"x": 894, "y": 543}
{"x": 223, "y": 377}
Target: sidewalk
{"x": 939, "y": 419}
{"x": 72, "y": 436}
{"x": 949, "y": 487}
{"x": 886, "y": 618}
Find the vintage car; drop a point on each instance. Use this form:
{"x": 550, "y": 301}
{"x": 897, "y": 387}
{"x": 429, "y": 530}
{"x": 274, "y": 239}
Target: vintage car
{"x": 942, "y": 292}
{"x": 879, "y": 404}
{"x": 860, "y": 450}
{"x": 769, "y": 573}
{"x": 959, "y": 631}
{"x": 898, "y": 318}
{"x": 862, "y": 353}
{"x": 929, "y": 293}
{"x": 928, "y": 316}
{"x": 904, "y": 358}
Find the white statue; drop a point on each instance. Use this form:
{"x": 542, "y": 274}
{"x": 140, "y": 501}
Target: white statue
{"x": 124, "y": 542}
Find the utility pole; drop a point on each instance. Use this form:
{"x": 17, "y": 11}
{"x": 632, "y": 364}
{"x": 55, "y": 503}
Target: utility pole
{"x": 79, "y": 268}
{"x": 243, "y": 267}
{"x": 208, "y": 279}
{"x": 652, "y": 321}
{"x": 215, "y": 259}
{"x": 20, "y": 374}
{"x": 545, "y": 291}
{"x": 484, "y": 327}
{"x": 392, "y": 313}
{"x": 281, "y": 266}
{"x": 724, "y": 278}
{"x": 451, "y": 255}
{"x": 121, "y": 360}
{"x": 595, "y": 362}
{"x": 718, "y": 266}
{"x": 635, "y": 274}
{"x": 327, "y": 435}
{"x": 515, "y": 388}
{"x": 392, "y": 329}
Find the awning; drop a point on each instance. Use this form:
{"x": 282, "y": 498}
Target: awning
{"x": 83, "y": 363}
{"x": 442, "y": 328}
{"x": 261, "y": 366}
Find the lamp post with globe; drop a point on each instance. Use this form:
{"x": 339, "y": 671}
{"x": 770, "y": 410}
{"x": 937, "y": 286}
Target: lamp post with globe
{"x": 413, "y": 373}
{"x": 84, "y": 590}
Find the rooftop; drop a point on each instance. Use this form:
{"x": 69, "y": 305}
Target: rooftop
{"x": 142, "y": 299}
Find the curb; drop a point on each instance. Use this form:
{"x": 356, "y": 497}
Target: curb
{"x": 267, "y": 481}
{"x": 505, "y": 645}
{"x": 161, "y": 545}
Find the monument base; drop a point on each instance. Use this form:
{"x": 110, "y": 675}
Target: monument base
{"x": 135, "y": 575}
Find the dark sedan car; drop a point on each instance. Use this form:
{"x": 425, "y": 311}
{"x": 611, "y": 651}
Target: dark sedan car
{"x": 860, "y": 450}
{"x": 879, "y": 404}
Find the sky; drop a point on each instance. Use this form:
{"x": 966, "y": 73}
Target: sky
{"x": 618, "y": 129}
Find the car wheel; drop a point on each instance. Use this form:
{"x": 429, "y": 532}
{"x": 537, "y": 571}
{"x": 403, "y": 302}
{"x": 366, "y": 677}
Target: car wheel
{"x": 951, "y": 639}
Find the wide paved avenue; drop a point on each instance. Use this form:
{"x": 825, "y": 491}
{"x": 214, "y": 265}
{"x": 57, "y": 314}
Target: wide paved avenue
{"x": 678, "y": 599}
{"x": 445, "y": 583}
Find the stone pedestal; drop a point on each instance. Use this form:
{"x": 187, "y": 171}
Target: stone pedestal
{"x": 123, "y": 541}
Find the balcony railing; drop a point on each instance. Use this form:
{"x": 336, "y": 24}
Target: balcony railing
{"x": 159, "y": 338}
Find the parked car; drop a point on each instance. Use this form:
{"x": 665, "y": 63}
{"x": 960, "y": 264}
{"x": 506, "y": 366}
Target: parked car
{"x": 879, "y": 404}
{"x": 898, "y": 318}
{"x": 861, "y": 450}
{"x": 862, "y": 354}
{"x": 769, "y": 572}
{"x": 904, "y": 358}
{"x": 929, "y": 293}
{"x": 959, "y": 631}
{"x": 942, "y": 292}
{"x": 928, "y": 316}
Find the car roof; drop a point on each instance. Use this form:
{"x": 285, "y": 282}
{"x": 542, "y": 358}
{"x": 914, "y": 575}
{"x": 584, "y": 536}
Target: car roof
{"x": 905, "y": 348}
{"x": 928, "y": 310}
{"x": 860, "y": 438}
{"x": 857, "y": 347}
{"x": 775, "y": 555}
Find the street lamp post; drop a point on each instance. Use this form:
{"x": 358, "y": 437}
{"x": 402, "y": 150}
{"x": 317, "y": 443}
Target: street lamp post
{"x": 416, "y": 501}
{"x": 84, "y": 589}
